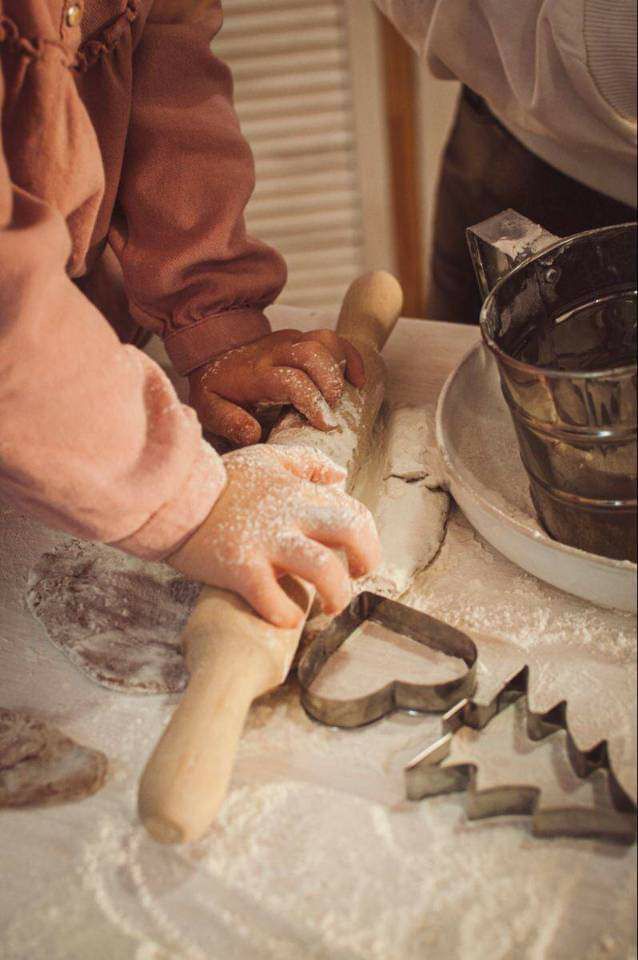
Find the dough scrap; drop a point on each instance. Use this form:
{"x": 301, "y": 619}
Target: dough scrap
{"x": 410, "y": 510}
{"x": 40, "y": 765}
{"x": 116, "y": 617}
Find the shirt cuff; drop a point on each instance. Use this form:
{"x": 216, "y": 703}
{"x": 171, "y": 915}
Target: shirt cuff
{"x": 189, "y": 347}
{"x": 177, "y": 520}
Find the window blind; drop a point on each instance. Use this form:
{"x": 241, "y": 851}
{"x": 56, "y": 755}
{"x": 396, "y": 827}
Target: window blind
{"x": 293, "y": 95}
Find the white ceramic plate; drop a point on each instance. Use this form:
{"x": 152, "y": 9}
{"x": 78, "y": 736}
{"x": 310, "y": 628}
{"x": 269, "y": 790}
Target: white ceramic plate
{"x": 476, "y": 438}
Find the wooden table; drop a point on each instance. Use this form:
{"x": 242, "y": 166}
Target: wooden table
{"x": 316, "y": 854}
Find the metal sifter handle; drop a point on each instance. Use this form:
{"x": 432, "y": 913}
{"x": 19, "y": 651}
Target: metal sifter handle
{"x": 499, "y": 244}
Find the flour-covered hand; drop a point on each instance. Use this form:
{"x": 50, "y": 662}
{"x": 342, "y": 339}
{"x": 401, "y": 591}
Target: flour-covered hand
{"x": 286, "y": 367}
{"x": 282, "y": 511}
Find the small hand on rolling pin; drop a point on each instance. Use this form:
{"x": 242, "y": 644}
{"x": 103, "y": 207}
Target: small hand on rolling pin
{"x": 280, "y": 512}
{"x": 268, "y": 539}
{"x": 303, "y": 369}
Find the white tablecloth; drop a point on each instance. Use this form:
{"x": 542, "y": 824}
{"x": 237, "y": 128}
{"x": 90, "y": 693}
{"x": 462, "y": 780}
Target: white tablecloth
{"x": 316, "y": 855}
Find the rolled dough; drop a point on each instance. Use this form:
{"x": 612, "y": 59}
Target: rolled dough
{"x": 409, "y": 507}
{"x": 350, "y": 445}
{"x": 394, "y": 468}
{"x": 40, "y": 765}
{"x": 115, "y": 617}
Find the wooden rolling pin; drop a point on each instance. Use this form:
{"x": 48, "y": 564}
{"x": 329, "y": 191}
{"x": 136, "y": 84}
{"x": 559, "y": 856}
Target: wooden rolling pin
{"x": 232, "y": 654}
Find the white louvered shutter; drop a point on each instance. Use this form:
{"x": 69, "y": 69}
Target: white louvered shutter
{"x": 293, "y": 94}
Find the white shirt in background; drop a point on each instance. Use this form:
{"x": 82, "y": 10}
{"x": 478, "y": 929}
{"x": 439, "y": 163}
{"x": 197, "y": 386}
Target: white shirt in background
{"x": 560, "y": 75}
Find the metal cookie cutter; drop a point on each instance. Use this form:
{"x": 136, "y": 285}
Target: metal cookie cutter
{"x": 426, "y": 778}
{"x": 399, "y": 694}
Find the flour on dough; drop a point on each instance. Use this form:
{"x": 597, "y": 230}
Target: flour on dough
{"x": 397, "y": 475}
{"x": 39, "y": 765}
{"x": 400, "y": 483}
{"x": 410, "y": 510}
{"x": 114, "y": 616}
{"x": 348, "y": 444}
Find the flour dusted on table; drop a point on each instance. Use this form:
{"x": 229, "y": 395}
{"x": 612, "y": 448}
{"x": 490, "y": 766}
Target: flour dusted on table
{"x": 366, "y": 876}
{"x": 293, "y": 870}
{"x": 575, "y": 651}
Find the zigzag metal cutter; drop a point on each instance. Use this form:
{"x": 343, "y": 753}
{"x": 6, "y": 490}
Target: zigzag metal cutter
{"x": 397, "y": 695}
{"x": 425, "y": 777}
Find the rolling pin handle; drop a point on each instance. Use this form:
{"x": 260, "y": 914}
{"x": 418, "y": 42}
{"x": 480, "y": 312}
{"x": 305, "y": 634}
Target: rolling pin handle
{"x": 371, "y": 308}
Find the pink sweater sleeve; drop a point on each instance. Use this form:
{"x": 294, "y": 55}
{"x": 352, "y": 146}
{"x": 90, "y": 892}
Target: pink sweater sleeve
{"x": 191, "y": 272}
{"x": 93, "y": 439}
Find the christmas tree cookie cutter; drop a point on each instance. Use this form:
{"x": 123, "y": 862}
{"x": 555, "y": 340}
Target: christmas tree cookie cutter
{"x": 425, "y": 775}
{"x": 398, "y": 694}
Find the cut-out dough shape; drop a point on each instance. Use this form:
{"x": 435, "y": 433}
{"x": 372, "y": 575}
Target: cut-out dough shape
{"x": 40, "y": 765}
{"x": 117, "y": 618}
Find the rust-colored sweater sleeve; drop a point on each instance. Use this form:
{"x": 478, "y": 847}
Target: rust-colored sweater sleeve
{"x": 190, "y": 270}
{"x": 93, "y": 439}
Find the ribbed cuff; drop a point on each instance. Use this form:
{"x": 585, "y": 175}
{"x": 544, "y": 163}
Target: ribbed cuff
{"x": 191, "y": 346}
{"x": 610, "y": 41}
{"x": 174, "y": 522}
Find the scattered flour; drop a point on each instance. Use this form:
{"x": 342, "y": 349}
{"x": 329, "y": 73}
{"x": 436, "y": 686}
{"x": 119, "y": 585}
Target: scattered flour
{"x": 266, "y": 885}
{"x": 296, "y": 870}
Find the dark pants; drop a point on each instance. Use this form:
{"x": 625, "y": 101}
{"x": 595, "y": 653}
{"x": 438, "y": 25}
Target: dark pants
{"x": 486, "y": 170}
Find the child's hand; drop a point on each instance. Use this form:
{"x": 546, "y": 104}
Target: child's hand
{"x": 303, "y": 369}
{"x": 281, "y": 511}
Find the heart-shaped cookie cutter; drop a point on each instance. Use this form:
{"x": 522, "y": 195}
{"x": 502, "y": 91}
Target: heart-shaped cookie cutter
{"x": 398, "y": 694}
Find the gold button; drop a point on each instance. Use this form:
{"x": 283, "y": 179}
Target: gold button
{"x": 73, "y": 15}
